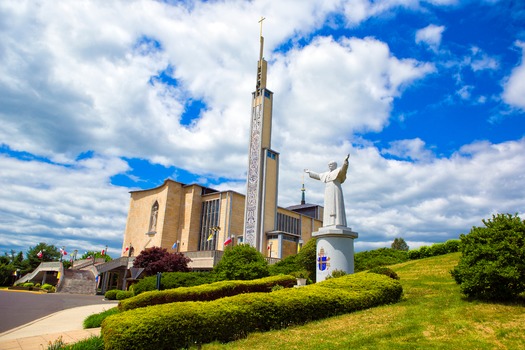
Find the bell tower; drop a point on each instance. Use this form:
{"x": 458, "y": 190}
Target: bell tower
{"x": 263, "y": 163}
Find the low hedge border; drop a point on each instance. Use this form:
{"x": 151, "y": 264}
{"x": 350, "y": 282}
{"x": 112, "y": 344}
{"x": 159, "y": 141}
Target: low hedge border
{"x": 185, "y": 324}
{"x": 206, "y": 292}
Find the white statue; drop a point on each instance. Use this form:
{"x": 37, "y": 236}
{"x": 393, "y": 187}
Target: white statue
{"x": 334, "y": 204}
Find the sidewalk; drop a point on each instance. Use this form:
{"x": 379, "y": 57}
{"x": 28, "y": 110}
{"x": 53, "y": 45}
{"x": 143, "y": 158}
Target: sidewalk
{"x": 38, "y": 335}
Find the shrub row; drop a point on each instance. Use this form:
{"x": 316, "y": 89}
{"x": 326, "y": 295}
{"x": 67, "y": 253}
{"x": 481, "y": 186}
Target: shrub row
{"x": 172, "y": 280}
{"x": 450, "y": 246}
{"x": 386, "y": 256}
{"x": 206, "y": 292}
{"x": 185, "y": 324}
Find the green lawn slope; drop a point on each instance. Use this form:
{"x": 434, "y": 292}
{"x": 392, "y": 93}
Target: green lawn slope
{"x": 432, "y": 315}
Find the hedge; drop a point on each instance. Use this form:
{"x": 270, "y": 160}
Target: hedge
{"x": 171, "y": 280}
{"x": 185, "y": 324}
{"x": 206, "y": 292}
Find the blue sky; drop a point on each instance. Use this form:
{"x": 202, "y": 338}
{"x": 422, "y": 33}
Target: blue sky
{"x": 428, "y": 97}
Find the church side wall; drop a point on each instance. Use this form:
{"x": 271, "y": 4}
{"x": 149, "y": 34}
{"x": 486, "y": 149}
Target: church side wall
{"x": 191, "y": 216}
{"x": 139, "y": 220}
{"x": 174, "y": 206}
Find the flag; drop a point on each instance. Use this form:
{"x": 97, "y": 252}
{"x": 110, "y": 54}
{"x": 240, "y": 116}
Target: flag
{"x": 103, "y": 252}
{"x": 174, "y": 246}
{"x": 40, "y": 254}
{"x": 210, "y": 237}
{"x": 228, "y": 241}
{"x": 63, "y": 251}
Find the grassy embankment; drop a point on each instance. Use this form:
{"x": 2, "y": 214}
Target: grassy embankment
{"x": 432, "y": 315}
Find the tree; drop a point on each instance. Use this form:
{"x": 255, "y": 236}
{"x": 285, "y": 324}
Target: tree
{"x": 42, "y": 252}
{"x": 158, "y": 259}
{"x": 492, "y": 263}
{"x": 97, "y": 255}
{"x": 399, "y": 244}
{"x": 242, "y": 262}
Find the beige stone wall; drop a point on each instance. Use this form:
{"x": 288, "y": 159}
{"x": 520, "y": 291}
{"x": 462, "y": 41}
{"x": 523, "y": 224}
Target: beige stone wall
{"x": 139, "y": 217}
{"x": 180, "y": 213}
{"x": 270, "y": 202}
{"x": 289, "y": 248}
{"x": 191, "y": 218}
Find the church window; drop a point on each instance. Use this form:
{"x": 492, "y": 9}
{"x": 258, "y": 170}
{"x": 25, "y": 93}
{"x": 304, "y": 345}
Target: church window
{"x": 288, "y": 224}
{"x": 209, "y": 225}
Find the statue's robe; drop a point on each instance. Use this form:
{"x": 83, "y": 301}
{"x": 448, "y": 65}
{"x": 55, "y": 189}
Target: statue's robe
{"x": 334, "y": 204}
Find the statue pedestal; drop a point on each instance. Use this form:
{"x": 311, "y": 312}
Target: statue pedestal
{"x": 335, "y": 250}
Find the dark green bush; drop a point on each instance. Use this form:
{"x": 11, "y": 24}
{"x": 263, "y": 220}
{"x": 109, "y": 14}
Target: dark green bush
{"x": 307, "y": 257}
{"x": 336, "y": 274}
{"x": 124, "y": 294}
{"x": 91, "y": 343}
{"x": 492, "y": 263}
{"x": 452, "y": 245}
{"x": 185, "y": 324}
{"x": 206, "y": 292}
{"x": 111, "y": 294}
{"x": 242, "y": 262}
{"x": 379, "y": 257}
{"x": 384, "y": 271}
{"x": 95, "y": 320}
{"x": 172, "y": 280}
{"x": 285, "y": 266}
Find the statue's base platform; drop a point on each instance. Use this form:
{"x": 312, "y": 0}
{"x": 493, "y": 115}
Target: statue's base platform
{"x": 335, "y": 250}
{"x": 337, "y": 231}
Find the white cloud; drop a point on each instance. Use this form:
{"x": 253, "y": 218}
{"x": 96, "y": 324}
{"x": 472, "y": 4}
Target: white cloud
{"x": 409, "y": 150}
{"x": 430, "y": 36}
{"x": 62, "y": 204}
{"x": 83, "y": 76}
{"x": 437, "y": 200}
{"x": 514, "y": 87}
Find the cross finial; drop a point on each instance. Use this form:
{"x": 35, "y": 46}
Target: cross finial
{"x": 261, "y": 22}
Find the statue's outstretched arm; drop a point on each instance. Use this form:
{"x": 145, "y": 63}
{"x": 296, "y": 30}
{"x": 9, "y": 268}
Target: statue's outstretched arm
{"x": 312, "y": 174}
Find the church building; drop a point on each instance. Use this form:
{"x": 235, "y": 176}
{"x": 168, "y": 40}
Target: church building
{"x": 201, "y": 222}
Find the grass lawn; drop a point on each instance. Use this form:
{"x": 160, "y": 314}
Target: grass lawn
{"x": 432, "y": 315}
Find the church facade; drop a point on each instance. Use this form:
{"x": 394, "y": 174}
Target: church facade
{"x": 201, "y": 222}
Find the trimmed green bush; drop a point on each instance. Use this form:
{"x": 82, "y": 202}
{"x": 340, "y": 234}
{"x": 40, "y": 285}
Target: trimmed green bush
{"x": 206, "y": 292}
{"x": 384, "y": 271}
{"x": 124, "y": 294}
{"x": 185, "y": 324}
{"x": 111, "y": 294}
{"x": 172, "y": 280}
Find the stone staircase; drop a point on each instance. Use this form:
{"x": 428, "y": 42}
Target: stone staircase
{"x": 78, "y": 282}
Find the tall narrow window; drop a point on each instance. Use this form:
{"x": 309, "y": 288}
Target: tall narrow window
{"x": 153, "y": 217}
{"x": 209, "y": 225}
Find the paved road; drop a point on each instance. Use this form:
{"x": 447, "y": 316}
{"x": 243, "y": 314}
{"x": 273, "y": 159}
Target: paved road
{"x": 18, "y": 308}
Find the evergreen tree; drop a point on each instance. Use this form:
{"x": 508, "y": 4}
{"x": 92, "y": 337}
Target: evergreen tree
{"x": 42, "y": 252}
{"x": 242, "y": 262}
{"x": 491, "y": 266}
